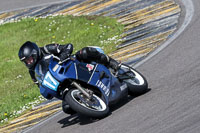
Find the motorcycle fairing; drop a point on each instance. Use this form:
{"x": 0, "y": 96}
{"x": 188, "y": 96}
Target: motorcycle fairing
{"x": 50, "y": 82}
{"x": 98, "y": 76}
{"x": 66, "y": 70}
{"x": 48, "y": 93}
{"x": 84, "y": 72}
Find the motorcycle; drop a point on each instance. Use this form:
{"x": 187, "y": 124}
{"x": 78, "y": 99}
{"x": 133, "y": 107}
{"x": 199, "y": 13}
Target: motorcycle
{"x": 88, "y": 88}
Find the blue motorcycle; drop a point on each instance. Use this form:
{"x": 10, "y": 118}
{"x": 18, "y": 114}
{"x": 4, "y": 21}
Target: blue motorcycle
{"x": 88, "y": 88}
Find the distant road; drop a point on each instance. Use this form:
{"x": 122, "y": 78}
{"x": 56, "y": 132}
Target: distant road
{"x": 9, "y": 5}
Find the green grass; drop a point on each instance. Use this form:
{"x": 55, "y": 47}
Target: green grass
{"x": 16, "y": 87}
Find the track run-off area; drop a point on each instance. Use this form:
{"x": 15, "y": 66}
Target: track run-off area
{"x": 172, "y": 104}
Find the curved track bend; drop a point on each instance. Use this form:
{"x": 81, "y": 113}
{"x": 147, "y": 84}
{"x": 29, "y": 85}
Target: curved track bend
{"x": 172, "y": 104}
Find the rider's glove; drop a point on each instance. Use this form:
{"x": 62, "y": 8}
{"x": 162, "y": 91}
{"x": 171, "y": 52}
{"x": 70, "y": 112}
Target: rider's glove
{"x": 63, "y": 56}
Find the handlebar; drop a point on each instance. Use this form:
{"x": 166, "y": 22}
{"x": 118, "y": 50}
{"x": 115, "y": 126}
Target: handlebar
{"x": 60, "y": 62}
{"x": 69, "y": 58}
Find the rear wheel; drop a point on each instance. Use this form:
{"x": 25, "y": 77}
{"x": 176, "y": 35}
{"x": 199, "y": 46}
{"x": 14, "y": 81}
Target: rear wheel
{"x": 136, "y": 82}
{"x": 94, "y": 107}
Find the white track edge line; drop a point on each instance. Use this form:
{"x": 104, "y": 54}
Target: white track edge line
{"x": 189, "y": 7}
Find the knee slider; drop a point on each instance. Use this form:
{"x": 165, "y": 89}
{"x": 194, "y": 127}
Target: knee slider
{"x": 104, "y": 59}
{"x": 83, "y": 53}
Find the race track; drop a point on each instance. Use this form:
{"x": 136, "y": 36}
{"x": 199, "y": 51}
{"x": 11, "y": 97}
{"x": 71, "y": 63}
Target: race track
{"x": 10, "y": 5}
{"x": 172, "y": 104}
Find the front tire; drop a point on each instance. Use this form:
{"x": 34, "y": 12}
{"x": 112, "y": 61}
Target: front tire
{"x": 137, "y": 83}
{"x": 66, "y": 109}
{"x": 94, "y": 108}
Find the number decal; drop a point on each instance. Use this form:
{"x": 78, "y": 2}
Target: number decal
{"x": 50, "y": 82}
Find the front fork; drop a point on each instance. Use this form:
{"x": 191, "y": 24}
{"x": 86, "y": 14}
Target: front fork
{"x": 85, "y": 92}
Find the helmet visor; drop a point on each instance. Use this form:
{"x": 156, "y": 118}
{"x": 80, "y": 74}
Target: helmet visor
{"x": 29, "y": 60}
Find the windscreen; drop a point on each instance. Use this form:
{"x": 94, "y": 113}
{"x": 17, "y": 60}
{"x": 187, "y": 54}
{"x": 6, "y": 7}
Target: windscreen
{"x": 41, "y": 70}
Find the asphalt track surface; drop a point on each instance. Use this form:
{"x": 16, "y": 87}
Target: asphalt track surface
{"x": 10, "y": 5}
{"x": 171, "y": 106}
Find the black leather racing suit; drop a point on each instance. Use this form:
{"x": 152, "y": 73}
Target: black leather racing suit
{"x": 62, "y": 51}
{"x": 87, "y": 54}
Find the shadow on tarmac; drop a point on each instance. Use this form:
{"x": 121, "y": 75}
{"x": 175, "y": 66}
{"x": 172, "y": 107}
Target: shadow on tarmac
{"x": 84, "y": 120}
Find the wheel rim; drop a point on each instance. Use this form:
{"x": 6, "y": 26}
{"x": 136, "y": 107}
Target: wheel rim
{"x": 96, "y": 105}
{"x": 137, "y": 80}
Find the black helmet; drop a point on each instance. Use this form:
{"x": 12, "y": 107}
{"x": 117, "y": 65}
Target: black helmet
{"x": 29, "y": 53}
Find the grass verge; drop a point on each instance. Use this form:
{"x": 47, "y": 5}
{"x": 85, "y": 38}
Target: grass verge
{"x": 16, "y": 88}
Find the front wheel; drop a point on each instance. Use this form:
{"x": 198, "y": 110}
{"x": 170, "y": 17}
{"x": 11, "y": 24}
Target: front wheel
{"x": 94, "y": 107}
{"x": 136, "y": 82}
{"x": 66, "y": 109}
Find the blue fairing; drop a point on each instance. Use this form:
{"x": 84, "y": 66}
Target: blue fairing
{"x": 48, "y": 93}
{"x": 65, "y": 71}
{"x": 58, "y": 75}
{"x": 104, "y": 83}
{"x": 94, "y": 74}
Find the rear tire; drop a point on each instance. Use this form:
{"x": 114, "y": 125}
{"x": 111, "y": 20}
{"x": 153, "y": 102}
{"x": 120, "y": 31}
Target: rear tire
{"x": 138, "y": 84}
{"x": 96, "y": 108}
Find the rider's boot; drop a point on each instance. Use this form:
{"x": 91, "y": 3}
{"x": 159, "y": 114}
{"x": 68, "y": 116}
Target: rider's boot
{"x": 114, "y": 64}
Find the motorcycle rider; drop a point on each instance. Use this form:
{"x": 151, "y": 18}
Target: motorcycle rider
{"x": 30, "y": 54}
